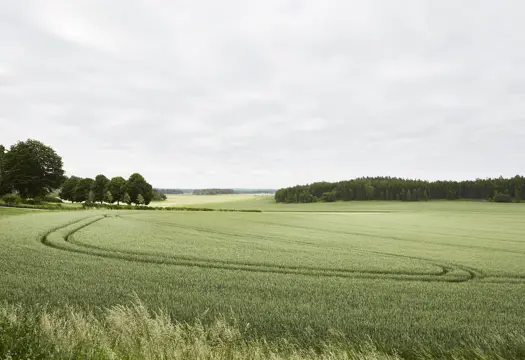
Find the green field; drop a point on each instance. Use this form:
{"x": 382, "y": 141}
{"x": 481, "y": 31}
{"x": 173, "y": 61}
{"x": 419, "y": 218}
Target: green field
{"x": 205, "y": 200}
{"x": 405, "y": 276}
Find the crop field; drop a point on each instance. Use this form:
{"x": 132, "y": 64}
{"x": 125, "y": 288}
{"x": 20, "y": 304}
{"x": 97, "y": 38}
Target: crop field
{"x": 404, "y": 276}
{"x": 205, "y": 200}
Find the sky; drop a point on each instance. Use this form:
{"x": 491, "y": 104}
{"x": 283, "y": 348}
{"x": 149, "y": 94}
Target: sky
{"x": 244, "y": 93}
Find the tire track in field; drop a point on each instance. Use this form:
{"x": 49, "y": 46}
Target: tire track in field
{"x": 251, "y": 267}
{"x": 445, "y": 266}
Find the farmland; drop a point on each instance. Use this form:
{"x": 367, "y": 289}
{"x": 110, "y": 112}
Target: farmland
{"x": 405, "y": 276}
{"x": 205, "y": 200}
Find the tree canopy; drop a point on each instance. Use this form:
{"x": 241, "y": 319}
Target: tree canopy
{"x": 117, "y": 188}
{"x": 32, "y": 168}
{"x": 136, "y": 186}
{"x": 388, "y": 188}
{"x": 68, "y": 189}
{"x": 100, "y": 187}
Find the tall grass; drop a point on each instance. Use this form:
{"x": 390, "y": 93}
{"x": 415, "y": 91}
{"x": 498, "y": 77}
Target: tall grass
{"x": 134, "y": 332}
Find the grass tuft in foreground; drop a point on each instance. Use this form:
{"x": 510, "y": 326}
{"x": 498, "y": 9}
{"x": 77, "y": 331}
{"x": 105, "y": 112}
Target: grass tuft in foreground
{"x": 133, "y": 332}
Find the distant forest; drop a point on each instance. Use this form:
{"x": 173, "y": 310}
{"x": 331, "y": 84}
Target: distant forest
{"x": 174, "y": 191}
{"x": 388, "y": 188}
{"x": 212, "y": 191}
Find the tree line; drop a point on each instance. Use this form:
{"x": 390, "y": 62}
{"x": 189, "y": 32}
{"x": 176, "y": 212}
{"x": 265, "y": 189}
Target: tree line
{"x": 212, "y": 191}
{"x": 33, "y": 170}
{"x": 390, "y": 188}
{"x": 172, "y": 191}
{"x": 135, "y": 190}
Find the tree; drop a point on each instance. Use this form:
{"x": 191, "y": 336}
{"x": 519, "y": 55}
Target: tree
{"x": 158, "y": 195}
{"x": 82, "y": 189}
{"x": 91, "y": 197}
{"x": 108, "y": 197}
{"x": 140, "y": 199}
{"x": 100, "y": 187}
{"x": 4, "y": 188}
{"x": 32, "y": 168}
{"x": 68, "y": 189}
{"x": 409, "y": 195}
{"x": 136, "y": 186}
{"x": 425, "y": 195}
{"x": 117, "y": 187}
{"x": 518, "y": 195}
{"x": 369, "y": 190}
{"x": 126, "y": 199}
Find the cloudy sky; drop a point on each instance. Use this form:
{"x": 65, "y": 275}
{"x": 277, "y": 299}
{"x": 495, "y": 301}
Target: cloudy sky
{"x": 242, "y": 93}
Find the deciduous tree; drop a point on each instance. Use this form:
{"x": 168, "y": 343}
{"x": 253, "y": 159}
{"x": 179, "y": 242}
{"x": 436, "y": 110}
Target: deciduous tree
{"x": 33, "y": 169}
{"x": 100, "y": 187}
{"x": 108, "y": 197}
{"x": 82, "y": 189}
{"x": 68, "y": 188}
{"x": 117, "y": 187}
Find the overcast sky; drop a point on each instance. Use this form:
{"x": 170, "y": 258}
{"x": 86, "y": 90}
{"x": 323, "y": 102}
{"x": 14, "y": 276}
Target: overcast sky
{"x": 268, "y": 93}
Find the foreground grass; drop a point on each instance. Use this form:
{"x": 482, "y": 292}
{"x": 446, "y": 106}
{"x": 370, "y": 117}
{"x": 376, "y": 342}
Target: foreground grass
{"x": 134, "y": 332}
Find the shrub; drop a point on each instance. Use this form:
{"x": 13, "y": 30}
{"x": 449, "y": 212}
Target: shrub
{"x": 503, "y": 198}
{"x": 52, "y": 199}
{"x": 35, "y": 201}
{"x": 11, "y": 199}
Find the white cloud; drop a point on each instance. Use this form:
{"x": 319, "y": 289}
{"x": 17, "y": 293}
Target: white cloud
{"x": 267, "y": 94}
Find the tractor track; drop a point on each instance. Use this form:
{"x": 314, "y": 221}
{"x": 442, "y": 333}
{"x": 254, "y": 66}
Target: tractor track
{"x": 68, "y": 243}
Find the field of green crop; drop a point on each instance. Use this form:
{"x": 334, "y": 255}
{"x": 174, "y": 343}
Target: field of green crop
{"x": 205, "y": 200}
{"x": 405, "y": 276}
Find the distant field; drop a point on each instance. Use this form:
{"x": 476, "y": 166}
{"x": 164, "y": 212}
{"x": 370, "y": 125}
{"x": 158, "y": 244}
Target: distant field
{"x": 205, "y": 200}
{"x": 13, "y": 211}
{"x": 437, "y": 275}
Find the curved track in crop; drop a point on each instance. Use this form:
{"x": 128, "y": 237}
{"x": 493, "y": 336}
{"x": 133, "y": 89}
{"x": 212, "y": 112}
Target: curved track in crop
{"x": 62, "y": 238}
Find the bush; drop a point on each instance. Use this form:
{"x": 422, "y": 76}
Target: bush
{"x": 502, "y": 198}
{"x": 52, "y": 199}
{"x": 329, "y": 196}
{"x": 35, "y": 201}
{"x": 12, "y": 199}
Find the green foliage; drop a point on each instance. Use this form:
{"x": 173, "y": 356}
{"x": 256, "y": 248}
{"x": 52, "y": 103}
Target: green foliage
{"x": 35, "y": 201}
{"x": 82, "y": 190}
{"x": 51, "y": 199}
{"x": 369, "y": 190}
{"x": 213, "y": 191}
{"x": 100, "y": 186}
{"x": 329, "y": 196}
{"x": 91, "y": 197}
{"x": 140, "y": 200}
{"x": 158, "y": 195}
{"x": 32, "y": 168}
{"x": 108, "y": 197}
{"x": 387, "y": 188}
{"x": 5, "y": 188}
{"x": 503, "y": 198}
{"x": 68, "y": 188}
{"x": 136, "y": 186}
{"x": 117, "y": 187}
{"x": 126, "y": 199}
{"x": 12, "y": 199}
